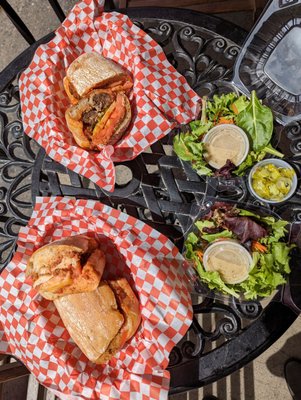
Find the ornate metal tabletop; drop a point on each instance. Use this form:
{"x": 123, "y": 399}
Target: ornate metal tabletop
{"x": 157, "y": 188}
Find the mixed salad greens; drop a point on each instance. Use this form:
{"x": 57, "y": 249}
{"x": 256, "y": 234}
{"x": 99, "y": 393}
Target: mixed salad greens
{"x": 261, "y": 236}
{"x": 249, "y": 114}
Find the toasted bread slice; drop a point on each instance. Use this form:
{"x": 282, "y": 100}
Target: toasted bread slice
{"x": 92, "y": 319}
{"x": 90, "y": 71}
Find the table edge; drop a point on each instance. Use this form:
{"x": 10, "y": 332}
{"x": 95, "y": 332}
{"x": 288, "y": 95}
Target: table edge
{"x": 207, "y": 21}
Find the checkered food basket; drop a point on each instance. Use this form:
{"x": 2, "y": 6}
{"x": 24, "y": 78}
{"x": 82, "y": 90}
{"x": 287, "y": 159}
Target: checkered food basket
{"x": 33, "y": 330}
{"x": 160, "y": 100}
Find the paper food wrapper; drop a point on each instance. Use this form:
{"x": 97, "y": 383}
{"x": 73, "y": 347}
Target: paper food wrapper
{"x": 33, "y": 330}
{"x": 161, "y": 98}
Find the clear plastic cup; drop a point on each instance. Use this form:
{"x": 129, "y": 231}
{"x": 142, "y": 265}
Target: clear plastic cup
{"x": 226, "y": 141}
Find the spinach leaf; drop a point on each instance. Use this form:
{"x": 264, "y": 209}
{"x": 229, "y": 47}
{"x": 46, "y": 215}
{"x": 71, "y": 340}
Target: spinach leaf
{"x": 257, "y": 121}
{"x": 270, "y": 150}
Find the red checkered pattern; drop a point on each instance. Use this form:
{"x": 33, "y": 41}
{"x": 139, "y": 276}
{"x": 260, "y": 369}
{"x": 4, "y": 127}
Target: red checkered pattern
{"x": 34, "y": 332}
{"x": 161, "y": 97}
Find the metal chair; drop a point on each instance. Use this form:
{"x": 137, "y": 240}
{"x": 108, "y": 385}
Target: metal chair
{"x": 19, "y": 24}
{"x": 16, "y": 384}
{"x": 13, "y": 379}
{"x": 22, "y": 28}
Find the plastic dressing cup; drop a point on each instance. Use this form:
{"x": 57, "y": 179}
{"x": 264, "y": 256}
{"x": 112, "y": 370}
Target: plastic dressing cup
{"x": 230, "y": 259}
{"x": 225, "y": 142}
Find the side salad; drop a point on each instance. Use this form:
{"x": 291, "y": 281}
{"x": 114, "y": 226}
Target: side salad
{"x": 249, "y": 114}
{"x": 261, "y": 236}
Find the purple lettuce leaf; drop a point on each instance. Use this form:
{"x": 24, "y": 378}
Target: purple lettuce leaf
{"x": 244, "y": 228}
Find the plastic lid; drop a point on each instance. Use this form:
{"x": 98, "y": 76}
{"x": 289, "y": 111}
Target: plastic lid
{"x": 269, "y": 61}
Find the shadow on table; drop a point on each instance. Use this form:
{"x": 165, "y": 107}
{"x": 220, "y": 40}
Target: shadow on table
{"x": 237, "y": 386}
{"x": 240, "y": 385}
{"x": 291, "y": 348}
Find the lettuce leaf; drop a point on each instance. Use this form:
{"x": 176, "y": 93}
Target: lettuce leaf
{"x": 278, "y": 231}
{"x": 204, "y": 224}
{"x": 188, "y": 148}
{"x": 257, "y": 121}
{"x": 267, "y": 275}
{"x": 251, "y": 159}
{"x": 253, "y": 117}
{"x": 210, "y": 237}
{"x": 261, "y": 284}
{"x": 201, "y": 167}
{"x": 213, "y": 279}
{"x": 280, "y": 252}
{"x": 268, "y": 271}
{"x": 199, "y": 128}
{"x": 221, "y": 106}
{"x": 240, "y": 104}
{"x": 182, "y": 145}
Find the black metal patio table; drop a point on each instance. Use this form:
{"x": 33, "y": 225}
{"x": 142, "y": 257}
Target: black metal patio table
{"x": 157, "y": 188}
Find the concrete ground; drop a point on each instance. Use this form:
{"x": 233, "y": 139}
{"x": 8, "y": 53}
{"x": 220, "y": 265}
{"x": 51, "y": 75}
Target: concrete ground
{"x": 259, "y": 380}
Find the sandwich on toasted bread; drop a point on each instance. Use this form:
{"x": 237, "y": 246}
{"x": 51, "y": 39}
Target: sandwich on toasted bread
{"x": 98, "y": 91}
{"x": 100, "y": 316}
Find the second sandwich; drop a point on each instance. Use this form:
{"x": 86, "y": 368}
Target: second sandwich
{"x": 100, "y": 315}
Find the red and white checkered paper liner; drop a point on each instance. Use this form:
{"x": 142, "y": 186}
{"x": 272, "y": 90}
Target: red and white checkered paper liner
{"x": 34, "y": 332}
{"x": 161, "y": 98}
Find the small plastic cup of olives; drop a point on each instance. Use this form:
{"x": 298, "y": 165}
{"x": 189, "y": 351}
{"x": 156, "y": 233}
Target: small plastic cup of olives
{"x": 272, "y": 180}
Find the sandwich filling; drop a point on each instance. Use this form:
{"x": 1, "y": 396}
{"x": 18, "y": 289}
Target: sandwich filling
{"x": 66, "y": 267}
{"x": 101, "y": 113}
{"x": 122, "y": 85}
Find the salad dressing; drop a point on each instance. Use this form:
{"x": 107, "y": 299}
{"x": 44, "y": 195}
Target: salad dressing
{"x": 225, "y": 142}
{"x": 249, "y": 256}
{"x": 231, "y": 260}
